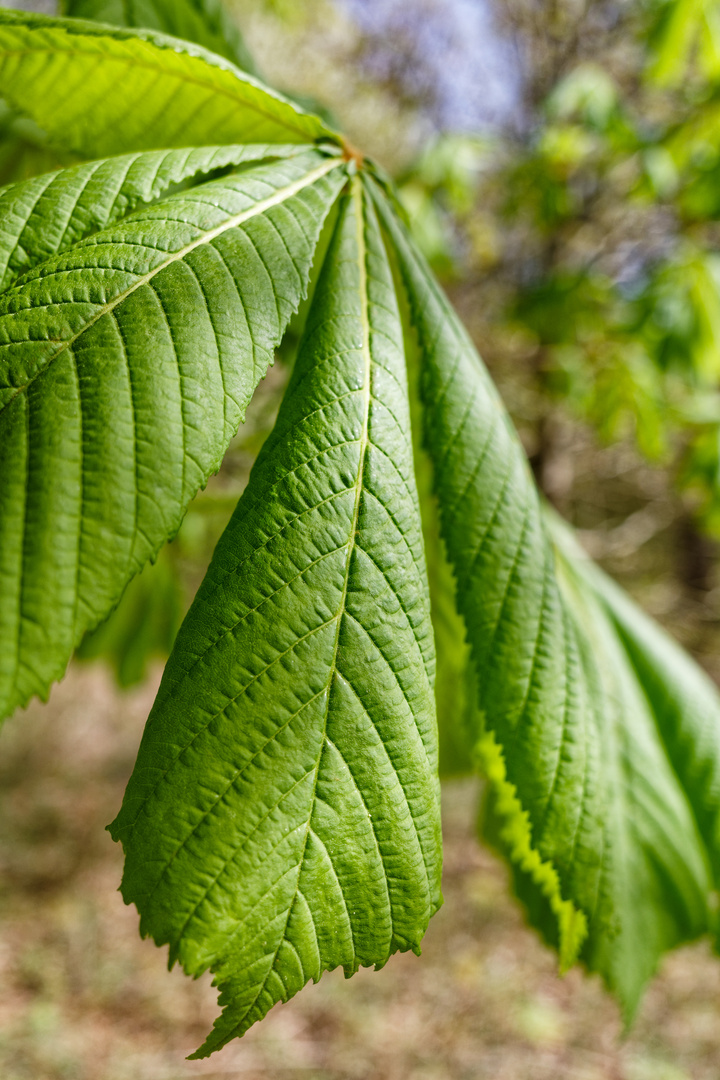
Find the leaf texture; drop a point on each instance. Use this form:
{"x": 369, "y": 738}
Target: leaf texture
{"x": 48, "y": 214}
{"x": 102, "y": 91}
{"x": 206, "y": 22}
{"x": 283, "y": 815}
{"x": 455, "y": 681}
{"x": 596, "y": 796}
{"x": 684, "y": 701}
{"x": 126, "y": 365}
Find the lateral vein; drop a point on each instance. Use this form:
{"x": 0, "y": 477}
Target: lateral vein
{"x": 205, "y": 238}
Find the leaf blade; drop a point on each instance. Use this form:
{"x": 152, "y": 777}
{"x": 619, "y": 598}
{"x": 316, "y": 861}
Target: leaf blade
{"x": 103, "y": 90}
{"x": 309, "y": 756}
{"x": 125, "y": 372}
{"x": 583, "y": 758}
{"x": 49, "y": 213}
{"x": 683, "y": 698}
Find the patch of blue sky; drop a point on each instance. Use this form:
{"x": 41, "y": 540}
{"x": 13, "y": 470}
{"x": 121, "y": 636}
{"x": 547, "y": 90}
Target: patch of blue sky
{"x": 451, "y": 53}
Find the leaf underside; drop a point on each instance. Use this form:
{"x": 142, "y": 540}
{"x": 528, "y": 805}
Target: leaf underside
{"x": 660, "y": 697}
{"x": 283, "y": 817}
{"x": 126, "y": 364}
{"x": 587, "y": 780}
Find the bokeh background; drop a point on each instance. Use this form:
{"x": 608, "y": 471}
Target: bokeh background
{"x": 559, "y": 161}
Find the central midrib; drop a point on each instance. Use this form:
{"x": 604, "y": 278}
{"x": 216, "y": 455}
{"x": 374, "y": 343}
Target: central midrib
{"x": 205, "y": 238}
{"x": 357, "y": 197}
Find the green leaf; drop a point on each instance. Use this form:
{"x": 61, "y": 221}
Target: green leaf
{"x": 283, "y": 815}
{"x": 49, "y": 214}
{"x": 101, "y": 90}
{"x": 685, "y": 41}
{"x": 673, "y": 40}
{"x": 206, "y": 22}
{"x": 506, "y": 826}
{"x": 126, "y": 365}
{"x": 683, "y": 700}
{"x": 455, "y": 682}
{"x": 595, "y": 794}
{"x": 455, "y": 679}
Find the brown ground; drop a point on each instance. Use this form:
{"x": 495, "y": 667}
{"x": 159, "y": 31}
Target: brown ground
{"x": 83, "y": 998}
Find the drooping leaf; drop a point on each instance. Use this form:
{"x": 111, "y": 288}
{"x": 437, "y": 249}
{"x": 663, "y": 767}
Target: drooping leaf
{"x": 506, "y": 827}
{"x": 206, "y": 22}
{"x": 283, "y": 816}
{"x": 101, "y": 91}
{"x": 683, "y": 700}
{"x": 126, "y": 365}
{"x": 587, "y": 777}
{"x": 654, "y": 684}
{"x": 455, "y": 681}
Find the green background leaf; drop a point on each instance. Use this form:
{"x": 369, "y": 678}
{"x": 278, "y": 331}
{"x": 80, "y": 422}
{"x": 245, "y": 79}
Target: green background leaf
{"x": 206, "y": 22}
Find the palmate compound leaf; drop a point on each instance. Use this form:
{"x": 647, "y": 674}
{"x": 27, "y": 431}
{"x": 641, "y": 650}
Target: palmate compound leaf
{"x": 597, "y": 773}
{"x": 126, "y": 364}
{"x": 283, "y": 815}
{"x": 206, "y": 22}
{"x": 101, "y": 90}
{"x": 604, "y": 743}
